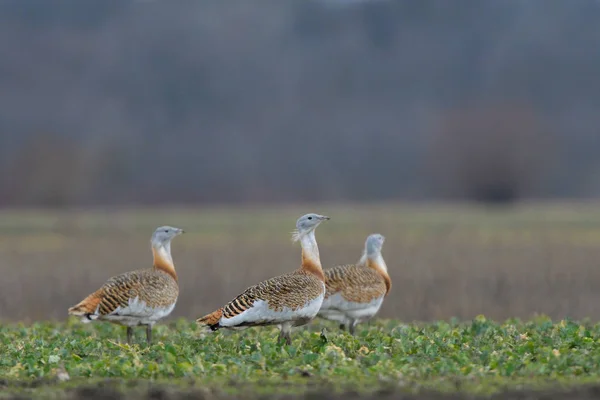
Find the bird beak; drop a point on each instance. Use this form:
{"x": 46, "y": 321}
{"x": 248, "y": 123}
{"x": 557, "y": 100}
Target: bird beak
{"x": 181, "y": 231}
{"x": 325, "y": 218}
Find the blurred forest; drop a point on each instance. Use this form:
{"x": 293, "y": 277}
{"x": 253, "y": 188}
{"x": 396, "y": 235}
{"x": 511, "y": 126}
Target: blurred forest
{"x": 145, "y": 102}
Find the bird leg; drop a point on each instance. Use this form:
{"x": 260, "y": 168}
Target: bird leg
{"x": 129, "y": 334}
{"x": 288, "y": 338}
{"x": 351, "y": 327}
{"x": 149, "y": 334}
{"x": 285, "y": 334}
{"x": 281, "y": 338}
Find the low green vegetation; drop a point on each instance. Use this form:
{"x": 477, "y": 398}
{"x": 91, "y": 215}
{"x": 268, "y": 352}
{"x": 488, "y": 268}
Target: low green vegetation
{"x": 478, "y": 356}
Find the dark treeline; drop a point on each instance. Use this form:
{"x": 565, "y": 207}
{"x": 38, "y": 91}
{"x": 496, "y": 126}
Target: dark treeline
{"x": 111, "y": 102}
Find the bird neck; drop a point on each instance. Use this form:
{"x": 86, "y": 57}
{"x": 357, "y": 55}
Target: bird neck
{"x": 311, "y": 262}
{"x": 163, "y": 259}
{"x": 377, "y": 263}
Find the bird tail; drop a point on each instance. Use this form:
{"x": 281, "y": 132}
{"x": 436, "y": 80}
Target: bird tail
{"x": 211, "y": 320}
{"x": 87, "y": 307}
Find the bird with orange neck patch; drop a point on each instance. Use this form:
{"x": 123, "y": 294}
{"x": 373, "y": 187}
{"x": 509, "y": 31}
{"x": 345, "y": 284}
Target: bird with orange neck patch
{"x": 355, "y": 292}
{"x": 140, "y": 297}
{"x": 287, "y": 300}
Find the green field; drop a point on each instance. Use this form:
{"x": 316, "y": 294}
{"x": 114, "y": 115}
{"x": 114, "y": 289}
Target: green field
{"x": 480, "y": 356}
{"x": 448, "y": 263}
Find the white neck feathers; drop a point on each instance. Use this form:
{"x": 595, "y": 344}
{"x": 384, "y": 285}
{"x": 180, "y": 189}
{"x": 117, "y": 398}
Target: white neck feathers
{"x": 378, "y": 260}
{"x": 373, "y": 259}
{"x": 164, "y": 252}
{"x": 163, "y": 259}
{"x": 310, "y": 250}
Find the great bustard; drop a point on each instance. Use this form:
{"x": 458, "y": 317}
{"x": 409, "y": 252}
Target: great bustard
{"x": 287, "y": 300}
{"x": 355, "y": 292}
{"x": 140, "y": 297}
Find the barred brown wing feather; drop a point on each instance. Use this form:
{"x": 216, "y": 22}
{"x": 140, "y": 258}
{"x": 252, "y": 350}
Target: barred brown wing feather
{"x": 292, "y": 290}
{"x": 152, "y": 287}
{"x": 354, "y": 283}
{"x": 116, "y": 292}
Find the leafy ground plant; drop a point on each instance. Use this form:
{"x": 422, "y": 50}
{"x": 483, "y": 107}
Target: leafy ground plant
{"x": 479, "y": 357}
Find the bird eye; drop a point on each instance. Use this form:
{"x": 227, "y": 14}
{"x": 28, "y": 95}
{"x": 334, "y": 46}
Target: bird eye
{"x": 166, "y": 231}
{"x": 309, "y": 217}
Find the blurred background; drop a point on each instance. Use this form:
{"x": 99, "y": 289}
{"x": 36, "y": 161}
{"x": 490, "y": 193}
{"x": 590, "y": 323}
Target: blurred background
{"x": 409, "y": 117}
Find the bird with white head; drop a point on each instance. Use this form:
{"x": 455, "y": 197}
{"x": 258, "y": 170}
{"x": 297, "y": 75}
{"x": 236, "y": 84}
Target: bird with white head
{"x": 287, "y": 300}
{"x": 140, "y": 297}
{"x": 355, "y": 292}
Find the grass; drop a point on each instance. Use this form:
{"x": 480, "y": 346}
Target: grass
{"x": 448, "y": 263}
{"x": 479, "y": 356}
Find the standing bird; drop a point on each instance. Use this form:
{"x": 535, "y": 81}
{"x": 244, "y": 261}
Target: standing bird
{"x": 139, "y": 297}
{"x": 355, "y": 292}
{"x": 287, "y": 300}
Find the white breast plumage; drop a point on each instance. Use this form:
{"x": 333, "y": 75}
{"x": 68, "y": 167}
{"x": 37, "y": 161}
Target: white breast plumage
{"x": 336, "y": 304}
{"x": 137, "y": 312}
{"x": 261, "y": 313}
